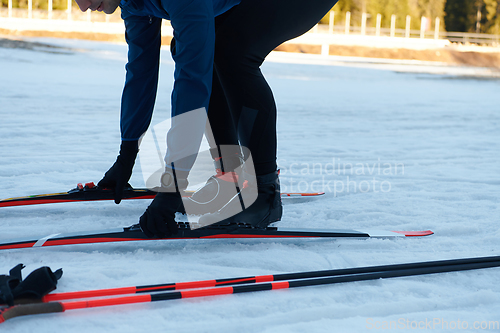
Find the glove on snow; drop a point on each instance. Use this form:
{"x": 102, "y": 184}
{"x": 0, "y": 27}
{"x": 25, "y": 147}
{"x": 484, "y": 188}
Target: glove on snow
{"x": 36, "y": 285}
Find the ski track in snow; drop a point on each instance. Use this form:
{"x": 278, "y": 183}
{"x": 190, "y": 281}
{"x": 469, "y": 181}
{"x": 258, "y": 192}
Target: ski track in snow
{"x": 59, "y": 126}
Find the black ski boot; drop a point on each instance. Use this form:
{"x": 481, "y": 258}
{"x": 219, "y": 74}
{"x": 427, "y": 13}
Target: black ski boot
{"x": 219, "y": 189}
{"x": 264, "y": 208}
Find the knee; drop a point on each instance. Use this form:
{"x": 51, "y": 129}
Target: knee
{"x": 234, "y": 53}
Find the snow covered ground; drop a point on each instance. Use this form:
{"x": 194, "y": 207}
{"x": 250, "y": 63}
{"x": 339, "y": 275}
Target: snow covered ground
{"x": 393, "y": 150}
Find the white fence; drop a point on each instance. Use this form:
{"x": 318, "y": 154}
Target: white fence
{"x": 20, "y": 19}
{"x": 347, "y": 28}
{"x": 70, "y": 14}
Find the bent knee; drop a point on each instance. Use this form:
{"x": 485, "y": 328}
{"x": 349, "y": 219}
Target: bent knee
{"x": 235, "y": 53}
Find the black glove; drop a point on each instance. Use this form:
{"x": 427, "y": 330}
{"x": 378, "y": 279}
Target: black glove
{"x": 117, "y": 176}
{"x": 36, "y": 285}
{"x": 8, "y": 283}
{"x": 159, "y": 218}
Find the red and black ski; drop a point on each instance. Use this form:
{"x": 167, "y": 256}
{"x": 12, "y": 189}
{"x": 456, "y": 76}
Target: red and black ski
{"x": 134, "y": 233}
{"x": 91, "y": 192}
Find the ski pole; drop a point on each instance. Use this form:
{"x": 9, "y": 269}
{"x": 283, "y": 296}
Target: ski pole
{"x": 54, "y": 307}
{"x": 257, "y": 279}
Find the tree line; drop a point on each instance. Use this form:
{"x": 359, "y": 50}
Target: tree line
{"x": 455, "y": 15}
{"x": 39, "y": 4}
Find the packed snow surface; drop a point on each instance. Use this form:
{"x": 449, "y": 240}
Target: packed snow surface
{"x": 392, "y": 151}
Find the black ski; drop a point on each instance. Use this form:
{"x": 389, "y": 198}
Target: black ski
{"x": 134, "y": 233}
{"x": 91, "y": 192}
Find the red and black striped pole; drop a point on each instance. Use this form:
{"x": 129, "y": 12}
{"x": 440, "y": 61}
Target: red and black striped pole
{"x": 411, "y": 269}
{"x": 259, "y": 279}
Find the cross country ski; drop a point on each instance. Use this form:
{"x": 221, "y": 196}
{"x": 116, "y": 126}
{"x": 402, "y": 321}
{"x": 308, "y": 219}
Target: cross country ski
{"x": 134, "y": 233}
{"x": 92, "y": 192}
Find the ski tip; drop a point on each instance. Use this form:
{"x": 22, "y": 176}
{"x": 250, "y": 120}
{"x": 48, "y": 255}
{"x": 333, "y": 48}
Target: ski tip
{"x": 312, "y": 194}
{"x": 415, "y": 233}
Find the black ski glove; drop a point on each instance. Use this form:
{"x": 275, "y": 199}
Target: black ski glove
{"x": 159, "y": 218}
{"x": 36, "y": 285}
{"x": 118, "y": 175}
{"x": 8, "y": 283}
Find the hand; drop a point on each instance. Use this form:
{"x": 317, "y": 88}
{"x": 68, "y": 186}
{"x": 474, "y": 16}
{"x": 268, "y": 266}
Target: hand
{"x": 118, "y": 175}
{"x": 159, "y": 218}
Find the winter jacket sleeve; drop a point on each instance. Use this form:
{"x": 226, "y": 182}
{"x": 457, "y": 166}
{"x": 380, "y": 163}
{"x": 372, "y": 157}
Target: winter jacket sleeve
{"x": 143, "y": 36}
{"x": 194, "y": 33}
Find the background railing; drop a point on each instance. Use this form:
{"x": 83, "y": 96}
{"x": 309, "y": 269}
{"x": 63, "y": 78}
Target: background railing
{"x": 70, "y": 13}
{"x": 73, "y": 14}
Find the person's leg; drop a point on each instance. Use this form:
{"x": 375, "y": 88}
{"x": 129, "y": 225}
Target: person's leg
{"x": 224, "y": 149}
{"x": 243, "y": 39}
{"x": 222, "y": 130}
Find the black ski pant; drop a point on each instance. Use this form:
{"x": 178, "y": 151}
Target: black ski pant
{"x": 242, "y": 109}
